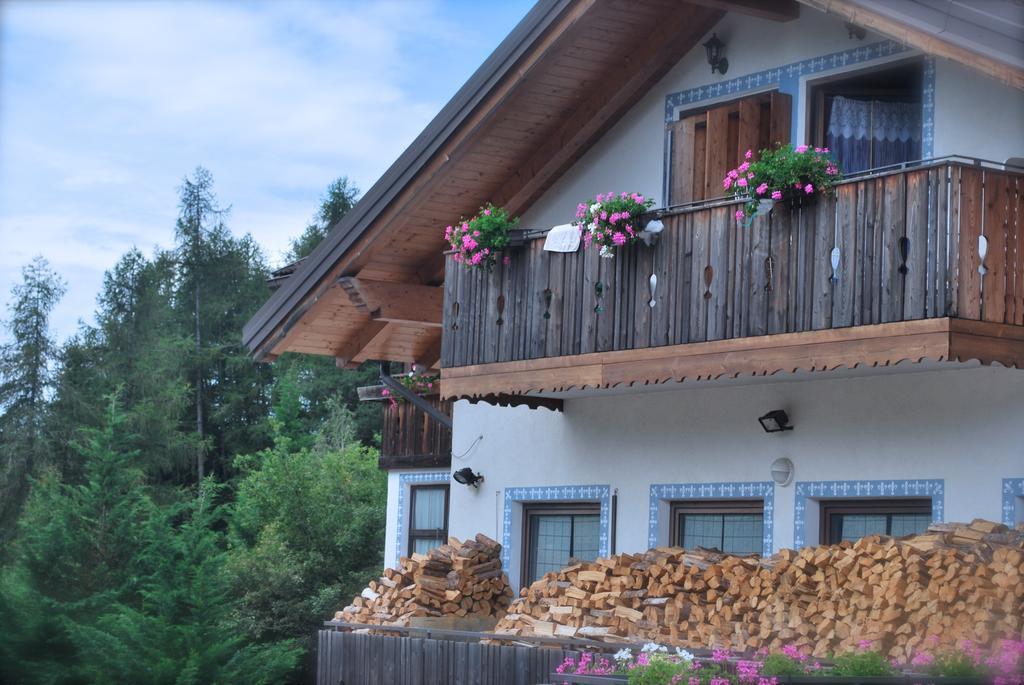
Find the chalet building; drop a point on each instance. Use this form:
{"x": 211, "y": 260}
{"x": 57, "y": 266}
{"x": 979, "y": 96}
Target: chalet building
{"x": 841, "y": 368}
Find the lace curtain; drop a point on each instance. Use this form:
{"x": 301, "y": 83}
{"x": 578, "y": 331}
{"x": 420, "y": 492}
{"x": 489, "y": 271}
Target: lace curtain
{"x": 865, "y": 134}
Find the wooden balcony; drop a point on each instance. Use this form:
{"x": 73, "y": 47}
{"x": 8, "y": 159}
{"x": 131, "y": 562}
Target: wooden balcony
{"x": 882, "y": 260}
{"x": 410, "y": 438}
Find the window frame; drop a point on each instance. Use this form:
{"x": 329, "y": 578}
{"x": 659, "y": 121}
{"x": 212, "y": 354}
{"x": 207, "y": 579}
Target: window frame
{"x": 818, "y": 89}
{"x": 867, "y": 506}
{"x": 678, "y": 508}
{"x": 552, "y": 509}
{"x": 426, "y": 533}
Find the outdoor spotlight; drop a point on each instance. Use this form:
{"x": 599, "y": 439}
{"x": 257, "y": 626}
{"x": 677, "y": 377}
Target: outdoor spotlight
{"x": 715, "y": 47}
{"x": 467, "y": 477}
{"x": 775, "y": 421}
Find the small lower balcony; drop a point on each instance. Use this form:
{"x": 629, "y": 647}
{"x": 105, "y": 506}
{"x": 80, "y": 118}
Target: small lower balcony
{"x": 411, "y": 438}
{"x": 925, "y": 263}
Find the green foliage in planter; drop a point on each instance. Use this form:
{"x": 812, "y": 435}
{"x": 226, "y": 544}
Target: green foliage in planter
{"x": 785, "y": 174}
{"x": 476, "y": 241}
{"x": 861, "y": 664}
{"x": 780, "y": 664}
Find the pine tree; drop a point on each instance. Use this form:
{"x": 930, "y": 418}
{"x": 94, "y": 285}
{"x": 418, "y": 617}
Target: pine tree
{"x": 341, "y": 196}
{"x": 26, "y": 381}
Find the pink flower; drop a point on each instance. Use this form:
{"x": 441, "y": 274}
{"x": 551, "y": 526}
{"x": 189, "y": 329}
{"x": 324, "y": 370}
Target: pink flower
{"x": 761, "y": 189}
{"x": 727, "y": 183}
{"x": 808, "y": 189}
{"x": 739, "y": 215}
{"x": 742, "y": 183}
{"x": 733, "y": 173}
{"x": 487, "y": 212}
{"x": 476, "y": 234}
{"x": 743, "y": 167}
{"x": 507, "y": 260}
{"x": 922, "y": 659}
{"x": 604, "y": 216}
{"x": 748, "y": 154}
{"x": 801, "y": 148}
{"x": 619, "y": 238}
{"x": 864, "y": 645}
{"x": 798, "y": 185}
{"x": 776, "y": 194}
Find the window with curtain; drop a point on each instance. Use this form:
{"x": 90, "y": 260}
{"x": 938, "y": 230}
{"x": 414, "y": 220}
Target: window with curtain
{"x": 428, "y": 517}
{"x": 854, "y": 519}
{"x": 734, "y": 527}
{"x": 555, "y": 536}
{"x": 870, "y": 119}
{"x": 867, "y": 133}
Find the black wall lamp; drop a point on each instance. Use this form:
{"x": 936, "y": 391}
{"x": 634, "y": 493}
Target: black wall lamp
{"x": 466, "y": 476}
{"x": 715, "y": 47}
{"x": 775, "y": 421}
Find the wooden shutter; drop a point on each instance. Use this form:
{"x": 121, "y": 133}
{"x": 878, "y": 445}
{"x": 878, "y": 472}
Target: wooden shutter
{"x": 704, "y": 146}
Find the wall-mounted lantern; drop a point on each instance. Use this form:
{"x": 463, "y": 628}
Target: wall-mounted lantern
{"x": 715, "y": 49}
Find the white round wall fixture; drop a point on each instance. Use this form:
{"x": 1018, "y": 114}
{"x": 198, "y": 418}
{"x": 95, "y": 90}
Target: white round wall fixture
{"x": 782, "y": 471}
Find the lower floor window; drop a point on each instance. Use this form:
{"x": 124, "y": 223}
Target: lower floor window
{"x": 734, "y": 527}
{"x": 556, "y": 535}
{"x": 428, "y": 524}
{"x": 853, "y": 519}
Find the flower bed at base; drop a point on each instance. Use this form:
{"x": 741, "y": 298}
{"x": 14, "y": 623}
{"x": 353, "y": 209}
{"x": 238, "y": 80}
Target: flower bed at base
{"x": 656, "y": 665}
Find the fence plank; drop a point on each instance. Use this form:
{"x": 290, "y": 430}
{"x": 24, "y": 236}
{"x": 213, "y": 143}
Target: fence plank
{"x": 993, "y": 287}
{"x": 969, "y": 290}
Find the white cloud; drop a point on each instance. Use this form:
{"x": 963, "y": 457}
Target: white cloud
{"x": 105, "y": 106}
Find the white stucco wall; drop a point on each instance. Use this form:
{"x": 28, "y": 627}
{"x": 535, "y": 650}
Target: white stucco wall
{"x": 974, "y": 115}
{"x": 962, "y": 426}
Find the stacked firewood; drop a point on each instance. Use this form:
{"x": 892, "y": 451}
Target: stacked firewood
{"x": 461, "y": 579}
{"x": 956, "y": 582}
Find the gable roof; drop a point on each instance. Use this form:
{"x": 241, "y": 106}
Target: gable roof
{"x": 522, "y": 119}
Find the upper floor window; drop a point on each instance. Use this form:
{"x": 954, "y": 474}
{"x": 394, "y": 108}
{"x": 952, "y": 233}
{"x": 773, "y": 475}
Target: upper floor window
{"x": 870, "y": 120}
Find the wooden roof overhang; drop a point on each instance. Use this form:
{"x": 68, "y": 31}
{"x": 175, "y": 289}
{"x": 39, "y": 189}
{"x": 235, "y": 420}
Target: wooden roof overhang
{"x": 560, "y": 80}
{"x": 938, "y": 340}
{"x": 566, "y": 74}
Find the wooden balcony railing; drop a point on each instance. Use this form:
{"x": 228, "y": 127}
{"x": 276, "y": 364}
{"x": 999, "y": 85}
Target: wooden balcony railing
{"x": 899, "y": 246}
{"x": 410, "y": 438}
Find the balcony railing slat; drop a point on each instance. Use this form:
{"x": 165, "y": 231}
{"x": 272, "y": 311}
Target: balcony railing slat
{"x": 411, "y": 438}
{"x": 908, "y": 249}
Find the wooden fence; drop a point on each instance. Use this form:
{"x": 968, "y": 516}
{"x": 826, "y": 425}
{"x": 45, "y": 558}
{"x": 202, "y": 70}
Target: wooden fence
{"x": 412, "y": 438}
{"x": 891, "y": 247}
{"x": 348, "y": 658}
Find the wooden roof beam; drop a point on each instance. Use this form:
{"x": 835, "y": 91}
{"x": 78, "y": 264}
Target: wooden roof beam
{"x": 372, "y": 332}
{"x": 404, "y": 303}
{"x": 773, "y": 10}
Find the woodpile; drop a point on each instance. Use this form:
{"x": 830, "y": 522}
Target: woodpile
{"x": 463, "y": 579}
{"x": 956, "y": 582}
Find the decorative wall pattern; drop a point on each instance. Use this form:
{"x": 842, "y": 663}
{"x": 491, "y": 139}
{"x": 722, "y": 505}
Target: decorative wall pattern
{"x": 786, "y": 78}
{"x": 556, "y": 493}
{"x": 850, "y": 489}
{"x": 1012, "y": 489}
{"x": 405, "y": 480}
{"x": 764, "y": 490}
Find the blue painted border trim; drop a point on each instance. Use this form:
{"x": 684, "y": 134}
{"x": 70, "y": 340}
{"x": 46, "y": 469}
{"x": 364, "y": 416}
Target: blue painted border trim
{"x": 556, "y": 493}
{"x": 764, "y": 489}
{"x": 404, "y": 481}
{"x": 928, "y": 110}
{"x": 1012, "y": 489}
{"x": 785, "y": 77}
{"x": 852, "y": 489}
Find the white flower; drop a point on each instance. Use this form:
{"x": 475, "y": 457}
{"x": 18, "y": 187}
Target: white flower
{"x": 606, "y": 252}
{"x": 595, "y": 208}
{"x": 651, "y": 647}
{"x": 683, "y": 654}
{"x": 623, "y": 655}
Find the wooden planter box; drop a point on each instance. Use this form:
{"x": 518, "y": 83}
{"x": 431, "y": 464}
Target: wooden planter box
{"x": 574, "y": 679}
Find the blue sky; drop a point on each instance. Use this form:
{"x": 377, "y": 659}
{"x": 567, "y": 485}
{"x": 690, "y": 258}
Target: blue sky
{"x": 105, "y": 106}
